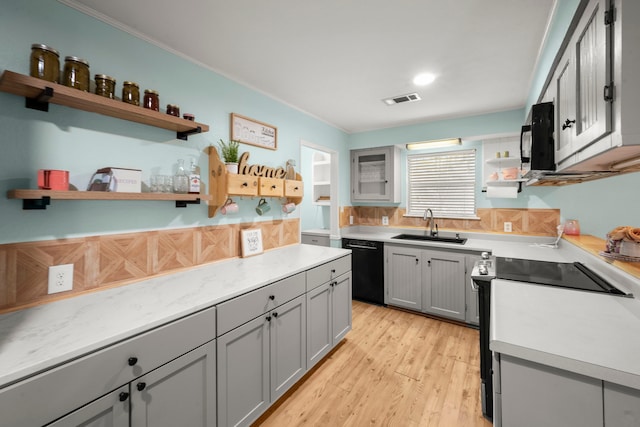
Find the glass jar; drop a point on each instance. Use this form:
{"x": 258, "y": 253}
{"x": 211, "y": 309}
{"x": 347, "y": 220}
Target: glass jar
{"x": 44, "y": 63}
{"x": 105, "y": 85}
{"x": 76, "y": 73}
{"x": 151, "y": 100}
{"x": 181, "y": 179}
{"x": 131, "y": 93}
{"x": 173, "y": 110}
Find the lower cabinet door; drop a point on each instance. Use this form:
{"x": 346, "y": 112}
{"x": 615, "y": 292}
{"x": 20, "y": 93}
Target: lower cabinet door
{"x": 180, "y": 393}
{"x": 111, "y": 410}
{"x": 621, "y": 405}
{"x": 403, "y": 277}
{"x": 341, "y": 307}
{"x": 443, "y": 292}
{"x": 288, "y": 334}
{"x": 319, "y": 323}
{"x": 243, "y": 373}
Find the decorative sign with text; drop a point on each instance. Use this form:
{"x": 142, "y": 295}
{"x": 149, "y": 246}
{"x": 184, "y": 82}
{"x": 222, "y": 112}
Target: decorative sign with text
{"x": 253, "y": 132}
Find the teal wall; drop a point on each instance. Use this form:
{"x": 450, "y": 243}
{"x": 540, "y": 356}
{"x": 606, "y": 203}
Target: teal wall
{"x": 82, "y": 142}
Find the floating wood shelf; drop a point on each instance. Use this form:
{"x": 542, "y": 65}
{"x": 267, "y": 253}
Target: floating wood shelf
{"x": 40, "y": 199}
{"x": 39, "y": 93}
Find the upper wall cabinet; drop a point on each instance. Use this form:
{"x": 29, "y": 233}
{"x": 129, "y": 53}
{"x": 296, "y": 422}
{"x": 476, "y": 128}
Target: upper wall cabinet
{"x": 375, "y": 175}
{"x": 596, "y": 89}
{"x": 583, "y": 83}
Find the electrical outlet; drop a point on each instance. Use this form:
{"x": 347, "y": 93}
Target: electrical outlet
{"x": 60, "y": 278}
{"x": 350, "y": 219}
{"x": 507, "y": 227}
{"x": 385, "y": 220}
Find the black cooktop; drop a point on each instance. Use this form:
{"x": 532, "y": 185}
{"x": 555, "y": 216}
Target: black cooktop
{"x": 563, "y": 274}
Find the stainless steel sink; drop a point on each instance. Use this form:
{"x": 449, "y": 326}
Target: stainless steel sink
{"x": 423, "y": 237}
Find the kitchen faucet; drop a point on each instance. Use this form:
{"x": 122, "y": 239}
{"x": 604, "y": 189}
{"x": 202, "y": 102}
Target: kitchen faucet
{"x": 428, "y": 213}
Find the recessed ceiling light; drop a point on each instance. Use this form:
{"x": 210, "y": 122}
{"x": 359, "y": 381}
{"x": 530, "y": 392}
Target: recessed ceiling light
{"x": 423, "y": 79}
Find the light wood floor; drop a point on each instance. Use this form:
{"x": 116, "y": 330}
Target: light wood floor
{"x": 393, "y": 369}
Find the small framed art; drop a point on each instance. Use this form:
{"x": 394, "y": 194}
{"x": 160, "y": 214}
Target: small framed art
{"x": 251, "y": 240}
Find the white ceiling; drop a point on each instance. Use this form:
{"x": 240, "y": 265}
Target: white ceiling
{"x": 337, "y": 59}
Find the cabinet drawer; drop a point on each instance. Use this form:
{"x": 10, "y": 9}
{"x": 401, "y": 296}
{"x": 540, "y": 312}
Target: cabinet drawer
{"x": 312, "y": 239}
{"x": 326, "y": 272}
{"x": 56, "y": 392}
{"x": 293, "y": 188}
{"x": 240, "y": 310}
{"x": 271, "y": 187}
{"x": 242, "y": 185}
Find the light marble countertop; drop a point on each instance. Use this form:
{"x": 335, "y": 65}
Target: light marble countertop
{"x": 591, "y": 334}
{"x": 39, "y": 338}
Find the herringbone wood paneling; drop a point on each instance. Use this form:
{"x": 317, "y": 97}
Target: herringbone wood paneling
{"x": 112, "y": 260}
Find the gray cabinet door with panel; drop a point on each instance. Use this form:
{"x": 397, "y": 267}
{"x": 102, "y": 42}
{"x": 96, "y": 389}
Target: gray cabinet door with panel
{"x": 403, "y": 277}
{"x": 243, "y": 373}
{"x": 319, "y": 324}
{"x": 180, "y": 393}
{"x": 340, "y": 307}
{"x": 288, "y": 335}
{"x": 443, "y": 280}
{"x": 621, "y": 406}
{"x": 111, "y": 410}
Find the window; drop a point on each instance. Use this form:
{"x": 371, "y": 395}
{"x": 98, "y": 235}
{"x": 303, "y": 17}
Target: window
{"x": 445, "y": 182}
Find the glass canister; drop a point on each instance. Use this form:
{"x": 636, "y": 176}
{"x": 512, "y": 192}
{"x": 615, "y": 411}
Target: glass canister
{"x": 151, "y": 100}
{"x": 44, "y": 63}
{"x": 131, "y": 93}
{"x": 181, "y": 179}
{"x": 76, "y": 73}
{"x": 105, "y": 85}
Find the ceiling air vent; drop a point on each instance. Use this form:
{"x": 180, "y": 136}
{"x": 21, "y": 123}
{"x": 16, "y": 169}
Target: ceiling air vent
{"x": 410, "y": 97}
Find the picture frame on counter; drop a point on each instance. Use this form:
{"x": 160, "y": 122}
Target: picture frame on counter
{"x": 253, "y": 132}
{"x": 251, "y": 242}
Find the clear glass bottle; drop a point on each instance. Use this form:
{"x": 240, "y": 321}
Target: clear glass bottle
{"x": 194, "y": 178}
{"x": 181, "y": 179}
{"x": 290, "y": 171}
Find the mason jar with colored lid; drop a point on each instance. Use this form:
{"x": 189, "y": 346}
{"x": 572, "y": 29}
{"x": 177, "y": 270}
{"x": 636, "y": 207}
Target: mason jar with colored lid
{"x": 76, "y": 73}
{"x": 105, "y": 85}
{"x": 44, "y": 63}
{"x": 173, "y": 110}
{"x": 131, "y": 93}
{"x": 151, "y": 100}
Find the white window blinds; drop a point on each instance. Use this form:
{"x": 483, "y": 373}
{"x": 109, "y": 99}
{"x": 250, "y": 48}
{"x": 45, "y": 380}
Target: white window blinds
{"x": 443, "y": 182}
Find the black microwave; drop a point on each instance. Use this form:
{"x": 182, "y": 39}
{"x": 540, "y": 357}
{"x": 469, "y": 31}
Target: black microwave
{"x": 537, "y": 146}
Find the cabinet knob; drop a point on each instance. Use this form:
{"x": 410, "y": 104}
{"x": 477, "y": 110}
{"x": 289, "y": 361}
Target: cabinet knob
{"x": 429, "y": 263}
{"x": 132, "y": 361}
{"x": 273, "y": 187}
{"x": 333, "y": 270}
{"x": 275, "y": 314}
{"x": 245, "y": 184}
{"x": 141, "y": 386}
{"x": 123, "y": 396}
{"x": 272, "y": 297}
{"x": 268, "y": 318}
{"x": 417, "y": 261}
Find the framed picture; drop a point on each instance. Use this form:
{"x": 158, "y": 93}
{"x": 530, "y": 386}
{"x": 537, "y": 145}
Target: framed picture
{"x": 251, "y": 242}
{"x": 253, "y": 132}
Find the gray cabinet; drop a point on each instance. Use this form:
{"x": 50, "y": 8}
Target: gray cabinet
{"x": 621, "y": 406}
{"x": 534, "y": 395}
{"x": 315, "y": 239}
{"x": 259, "y": 360}
{"x": 63, "y": 390}
{"x": 328, "y": 316}
{"x": 186, "y": 385}
{"x": 375, "y": 175}
{"x": 443, "y": 290}
{"x": 582, "y": 79}
{"x": 403, "y": 276}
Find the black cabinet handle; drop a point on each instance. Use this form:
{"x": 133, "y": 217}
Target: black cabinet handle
{"x": 245, "y": 184}
{"x": 132, "y": 361}
{"x": 141, "y": 386}
{"x": 275, "y": 314}
{"x": 272, "y": 297}
{"x": 123, "y": 396}
{"x": 273, "y": 187}
{"x": 268, "y": 318}
{"x": 567, "y": 124}
{"x": 333, "y": 270}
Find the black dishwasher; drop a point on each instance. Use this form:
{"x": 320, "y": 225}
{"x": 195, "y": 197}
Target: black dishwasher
{"x": 367, "y": 270}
